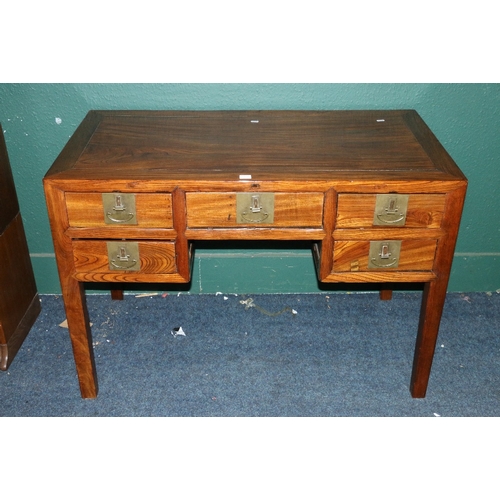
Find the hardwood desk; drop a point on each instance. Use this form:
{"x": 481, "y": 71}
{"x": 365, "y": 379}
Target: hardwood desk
{"x": 374, "y": 192}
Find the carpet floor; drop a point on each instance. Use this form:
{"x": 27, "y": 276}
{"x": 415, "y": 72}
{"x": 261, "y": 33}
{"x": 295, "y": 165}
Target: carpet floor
{"x": 303, "y": 355}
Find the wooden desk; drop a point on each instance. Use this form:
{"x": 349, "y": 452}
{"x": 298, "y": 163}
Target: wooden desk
{"x": 374, "y": 192}
{"x": 19, "y": 302}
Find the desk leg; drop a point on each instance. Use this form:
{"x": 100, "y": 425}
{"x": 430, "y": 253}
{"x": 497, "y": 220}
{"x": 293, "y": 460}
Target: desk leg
{"x": 116, "y": 293}
{"x": 81, "y": 337}
{"x": 434, "y": 295}
{"x": 385, "y": 291}
{"x": 430, "y": 317}
{"x": 73, "y": 293}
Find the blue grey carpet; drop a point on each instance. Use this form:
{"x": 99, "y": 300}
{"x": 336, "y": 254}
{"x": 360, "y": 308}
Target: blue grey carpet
{"x": 305, "y": 355}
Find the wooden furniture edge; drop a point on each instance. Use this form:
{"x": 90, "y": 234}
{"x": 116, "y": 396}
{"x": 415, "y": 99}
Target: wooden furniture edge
{"x": 73, "y": 148}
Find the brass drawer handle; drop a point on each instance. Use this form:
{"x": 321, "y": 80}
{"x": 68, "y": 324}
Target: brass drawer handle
{"x": 255, "y": 208}
{"x": 392, "y": 264}
{"x": 245, "y": 218}
{"x": 390, "y": 209}
{"x": 119, "y": 208}
{"x": 389, "y": 218}
{"x": 128, "y": 218}
{"x": 123, "y": 256}
{"x": 384, "y": 254}
{"x": 128, "y": 264}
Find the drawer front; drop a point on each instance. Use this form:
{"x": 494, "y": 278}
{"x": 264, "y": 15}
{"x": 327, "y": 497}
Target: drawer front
{"x": 145, "y": 257}
{"x": 370, "y": 210}
{"x": 119, "y": 209}
{"x": 384, "y": 255}
{"x": 254, "y": 209}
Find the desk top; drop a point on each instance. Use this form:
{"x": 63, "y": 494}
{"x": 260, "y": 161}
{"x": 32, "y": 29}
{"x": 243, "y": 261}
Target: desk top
{"x": 239, "y": 146}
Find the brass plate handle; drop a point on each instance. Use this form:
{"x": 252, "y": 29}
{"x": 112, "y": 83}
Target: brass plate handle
{"x": 123, "y": 255}
{"x": 390, "y": 210}
{"x": 119, "y": 208}
{"x": 255, "y": 208}
{"x": 384, "y": 254}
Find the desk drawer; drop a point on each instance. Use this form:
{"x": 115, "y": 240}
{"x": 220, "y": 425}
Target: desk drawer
{"x": 370, "y": 210}
{"x": 272, "y": 209}
{"x": 119, "y": 209}
{"x": 118, "y": 256}
{"x": 384, "y": 255}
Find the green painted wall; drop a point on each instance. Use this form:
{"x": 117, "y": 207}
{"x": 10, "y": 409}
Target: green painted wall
{"x": 37, "y": 121}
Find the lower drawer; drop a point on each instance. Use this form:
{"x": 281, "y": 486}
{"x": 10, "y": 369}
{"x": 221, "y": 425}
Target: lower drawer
{"x": 384, "y": 255}
{"x": 119, "y": 257}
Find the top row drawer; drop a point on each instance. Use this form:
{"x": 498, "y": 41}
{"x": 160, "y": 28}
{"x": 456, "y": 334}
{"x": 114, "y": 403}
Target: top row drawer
{"x": 371, "y": 210}
{"x": 154, "y": 210}
{"x": 119, "y": 209}
{"x": 231, "y": 210}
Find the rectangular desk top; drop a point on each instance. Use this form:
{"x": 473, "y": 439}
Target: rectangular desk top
{"x": 189, "y": 147}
